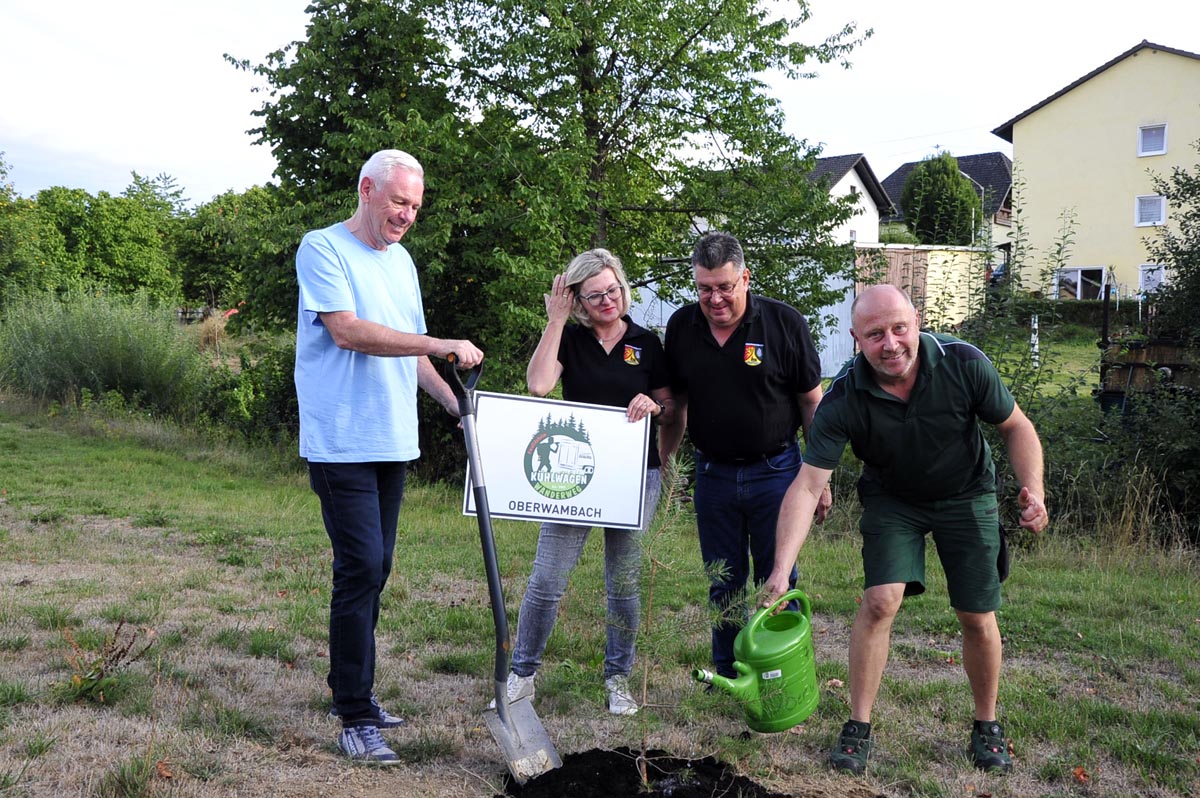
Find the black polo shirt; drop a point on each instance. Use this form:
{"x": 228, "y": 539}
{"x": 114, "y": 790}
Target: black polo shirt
{"x": 929, "y": 448}
{"x": 635, "y": 365}
{"x": 743, "y": 397}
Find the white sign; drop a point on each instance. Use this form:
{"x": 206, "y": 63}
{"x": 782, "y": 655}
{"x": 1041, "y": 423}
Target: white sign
{"x": 568, "y": 462}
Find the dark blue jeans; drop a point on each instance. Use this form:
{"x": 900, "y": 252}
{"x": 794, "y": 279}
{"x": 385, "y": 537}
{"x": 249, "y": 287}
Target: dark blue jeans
{"x": 360, "y": 504}
{"x": 737, "y": 507}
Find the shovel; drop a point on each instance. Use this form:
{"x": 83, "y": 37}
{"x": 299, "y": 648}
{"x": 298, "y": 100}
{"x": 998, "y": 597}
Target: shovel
{"x": 515, "y": 727}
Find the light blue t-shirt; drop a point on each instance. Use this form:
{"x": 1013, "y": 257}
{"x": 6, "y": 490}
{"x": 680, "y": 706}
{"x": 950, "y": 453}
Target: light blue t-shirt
{"x": 355, "y": 408}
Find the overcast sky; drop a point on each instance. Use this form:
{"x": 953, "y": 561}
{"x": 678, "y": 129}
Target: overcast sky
{"x": 93, "y": 91}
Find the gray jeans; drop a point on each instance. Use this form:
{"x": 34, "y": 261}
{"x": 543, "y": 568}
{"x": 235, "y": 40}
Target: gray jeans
{"x": 558, "y": 550}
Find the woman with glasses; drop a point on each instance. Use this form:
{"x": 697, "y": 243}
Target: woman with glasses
{"x": 602, "y": 357}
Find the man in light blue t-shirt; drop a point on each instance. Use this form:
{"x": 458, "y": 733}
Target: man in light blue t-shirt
{"x": 361, "y": 353}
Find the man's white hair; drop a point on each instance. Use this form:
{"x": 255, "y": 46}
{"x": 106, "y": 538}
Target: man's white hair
{"x": 379, "y": 167}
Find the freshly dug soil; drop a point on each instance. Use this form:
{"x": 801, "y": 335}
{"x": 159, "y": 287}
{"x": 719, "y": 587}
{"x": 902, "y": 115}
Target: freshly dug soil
{"x": 613, "y": 774}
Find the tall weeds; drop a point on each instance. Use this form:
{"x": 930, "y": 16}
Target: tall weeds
{"x": 67, "y": 349}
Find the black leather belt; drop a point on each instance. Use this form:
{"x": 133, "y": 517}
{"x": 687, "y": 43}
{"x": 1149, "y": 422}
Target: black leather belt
{"x": 753, "y": 458}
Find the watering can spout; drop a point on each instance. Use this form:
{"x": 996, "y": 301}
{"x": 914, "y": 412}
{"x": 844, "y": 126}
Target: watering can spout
{"x": 743, "y": 688}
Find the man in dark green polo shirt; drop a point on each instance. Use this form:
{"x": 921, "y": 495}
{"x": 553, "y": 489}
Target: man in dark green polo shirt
{"x": 909, "y": 405}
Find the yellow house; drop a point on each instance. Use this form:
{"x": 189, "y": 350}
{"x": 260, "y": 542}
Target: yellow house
{"x": 1084, "y": 158}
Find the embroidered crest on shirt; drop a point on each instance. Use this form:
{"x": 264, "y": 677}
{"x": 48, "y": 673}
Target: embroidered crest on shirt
{"x": 752, "y": 354}
{"x": 633, "y": 355}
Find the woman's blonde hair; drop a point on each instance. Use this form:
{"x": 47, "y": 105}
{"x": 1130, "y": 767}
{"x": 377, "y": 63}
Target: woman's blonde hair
{"x": 587, "y": 265}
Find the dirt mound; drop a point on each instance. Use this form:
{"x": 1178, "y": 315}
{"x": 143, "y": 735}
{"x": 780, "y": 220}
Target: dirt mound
{"x": 613, "y": 774}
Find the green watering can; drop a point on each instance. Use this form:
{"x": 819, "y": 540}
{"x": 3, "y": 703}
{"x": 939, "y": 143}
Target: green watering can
{"x": 774, "y": 655}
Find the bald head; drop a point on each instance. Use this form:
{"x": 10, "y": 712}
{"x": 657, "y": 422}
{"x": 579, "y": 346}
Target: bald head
{"x": 876, "y": 296}
{"x": 884, "y": 324}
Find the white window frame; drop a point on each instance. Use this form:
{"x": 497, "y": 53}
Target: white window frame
{"x": 1141, "y": 143}
{"x": 1079, "y": 270}
{"x": 1148, "y": 268}
{"x": 1137, "y": 210}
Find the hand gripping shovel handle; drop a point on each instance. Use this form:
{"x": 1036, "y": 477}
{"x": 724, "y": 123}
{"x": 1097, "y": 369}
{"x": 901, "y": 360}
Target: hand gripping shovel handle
{"x": 464, "y": 392}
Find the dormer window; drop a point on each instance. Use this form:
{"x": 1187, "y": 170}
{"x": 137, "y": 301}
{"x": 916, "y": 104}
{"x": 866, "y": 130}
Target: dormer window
{"x": 1152, "y": 140}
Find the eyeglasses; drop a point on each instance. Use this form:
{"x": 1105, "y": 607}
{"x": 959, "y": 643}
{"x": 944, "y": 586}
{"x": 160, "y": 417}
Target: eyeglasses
{"x": 613, "y": 293}
{"x": 724, "y": 290}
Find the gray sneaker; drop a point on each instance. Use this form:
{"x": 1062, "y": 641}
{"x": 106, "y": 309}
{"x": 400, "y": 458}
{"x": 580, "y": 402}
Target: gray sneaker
{"x": 620, "y": 700}
{"x": 383, "y": 718}
{"x": 518, "y": 687}
{"x": 365, "y": 744}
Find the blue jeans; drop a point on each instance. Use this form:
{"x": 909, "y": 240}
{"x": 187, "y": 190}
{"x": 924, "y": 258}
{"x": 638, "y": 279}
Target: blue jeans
{"x": 558, "y": 550}
{"x": 360, "y": 504}
{"x": 737, "y": 507}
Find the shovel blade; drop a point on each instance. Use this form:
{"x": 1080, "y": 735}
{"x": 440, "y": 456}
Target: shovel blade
{"x": 526, "y": 746}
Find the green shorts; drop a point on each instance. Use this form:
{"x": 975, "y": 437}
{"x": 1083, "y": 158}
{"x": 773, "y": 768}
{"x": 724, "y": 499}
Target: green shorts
{"x": 965, "y": 531}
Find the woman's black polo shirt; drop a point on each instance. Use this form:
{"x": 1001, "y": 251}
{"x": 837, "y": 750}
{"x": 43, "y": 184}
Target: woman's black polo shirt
{"x": 635, "y": 365}
{"x": 742, "y": 398}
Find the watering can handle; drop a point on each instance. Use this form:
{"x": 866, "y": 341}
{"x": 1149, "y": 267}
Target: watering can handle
{"x": 766, "y": 612}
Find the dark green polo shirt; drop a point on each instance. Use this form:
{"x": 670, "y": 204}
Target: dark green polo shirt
{"x": 928, "y": 448}
{"x": 743, "y": 397}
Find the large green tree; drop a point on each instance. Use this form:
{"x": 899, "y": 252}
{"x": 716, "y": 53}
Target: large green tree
{"x": 940, "y": 204}
{"x": 124, "y": 244}
{"x": 662, "y": 119}
{"x": 621, "y": 124}
{"x": 223, "y": 243}
{"x": 545, "y": 131}
{"x": 33, "y": 251}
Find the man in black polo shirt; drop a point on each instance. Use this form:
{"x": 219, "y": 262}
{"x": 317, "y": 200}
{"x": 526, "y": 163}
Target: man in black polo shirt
{"x": 745, "y": 377}
{"x": 909, "y": 404}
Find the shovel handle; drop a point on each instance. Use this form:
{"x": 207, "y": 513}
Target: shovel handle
{"x": 463, "y": 390}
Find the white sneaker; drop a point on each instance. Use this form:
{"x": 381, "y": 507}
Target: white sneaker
{"x": 364, "y": 744}
{"x": 620, "y": 700}
{"x": 518, "y": 687}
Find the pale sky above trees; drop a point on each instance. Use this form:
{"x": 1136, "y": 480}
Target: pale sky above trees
{"x": 95, "y": 91}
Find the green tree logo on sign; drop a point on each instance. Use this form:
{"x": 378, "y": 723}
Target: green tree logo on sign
{"x": 559, "y": 461}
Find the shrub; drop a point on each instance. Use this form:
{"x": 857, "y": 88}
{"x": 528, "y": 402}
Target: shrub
{"x": 65, "y": 349}
{"x": 258, "y": 400}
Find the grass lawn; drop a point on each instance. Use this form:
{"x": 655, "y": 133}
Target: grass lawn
{"x": 115, "y": 535}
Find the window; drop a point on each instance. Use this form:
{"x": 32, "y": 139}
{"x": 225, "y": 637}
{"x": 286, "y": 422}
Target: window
{"x": 1150, "y": 209}
{"x": 1081, "y": 283}
{"x": 1152, "y": 140}
{"x": 1150, "y": 277}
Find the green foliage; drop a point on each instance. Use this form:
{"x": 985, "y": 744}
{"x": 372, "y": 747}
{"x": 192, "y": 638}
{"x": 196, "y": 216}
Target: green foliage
{"x": 99, "y": 676}
{"x": 12, "y": 694}
{"x": 129, "y": 778}
{"x": 1122, "y": 478}
{"x": 125, "y": 244}
{"x": 362, "y": 65}
{"x": 258, "y": 400}
{"x": 85, "y": 345}
{"x": 33, "y": 252}
{"x": 1157, "y": 438}
{"x": 897, "y": 233}
{"x": 1177, "y": 247}
{"x": 631, "y": 128}
{"x": 939, "y": 203}
{"x": 659, "y": 124}
{"x": 222, "y": 244}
